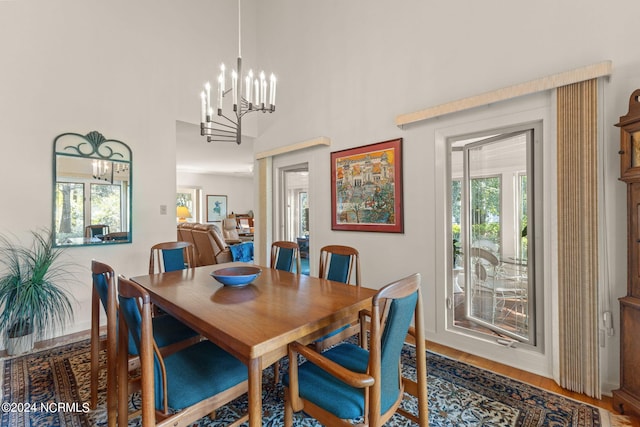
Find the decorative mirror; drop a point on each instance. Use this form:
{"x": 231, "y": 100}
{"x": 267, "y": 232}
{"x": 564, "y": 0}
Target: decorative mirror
{"x": 91, "y": 190}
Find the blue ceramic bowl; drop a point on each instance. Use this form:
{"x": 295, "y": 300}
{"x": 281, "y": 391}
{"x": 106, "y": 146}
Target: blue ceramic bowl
{"x": 236, "y": 276}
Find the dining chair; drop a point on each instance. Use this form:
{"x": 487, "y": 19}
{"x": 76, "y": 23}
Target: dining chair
{"x": 285, "y": 255}
{"x": 170, "y": 334}
{"x": 103, "y": 293}
{"x": 339, "y": 263}
{"x": 493, "y": 279}
{"x": 348, "y": 382}
{"x": 171, "y": 256}
{"x": 95, "y": 230}
{"x": 182, "y": 387}
{"x": 230, "y": 231}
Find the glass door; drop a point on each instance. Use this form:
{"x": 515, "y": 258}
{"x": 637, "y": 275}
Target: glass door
{"x": 493, "y": 285}
{"x": 295, "y": 210}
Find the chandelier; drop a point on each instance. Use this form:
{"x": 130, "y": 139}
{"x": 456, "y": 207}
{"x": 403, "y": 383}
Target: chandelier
{"x": 248, "y": 95}
{"x": 104, "y": 170}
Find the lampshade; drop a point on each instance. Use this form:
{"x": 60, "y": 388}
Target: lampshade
{"x": 182, "y": 213}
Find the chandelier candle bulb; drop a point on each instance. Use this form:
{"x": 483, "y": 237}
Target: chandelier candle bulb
{"x": 234, "y": 89}
{"x": 222, "y": 78}
{"x": 256, "y": 90}
{"x": 207, "y": 88}
{"x": 247, "y": 87}
{"x": 220, "y": 93}
{"x": 203, "y": 109}
{"x": 272, "y": 91}
{"x": 263, "y": 89}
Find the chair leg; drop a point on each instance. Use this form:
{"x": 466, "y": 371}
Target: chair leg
{"x": 95, "y": 368}
{"x": 288, "y": 410}
{"x": 276, "y": 372}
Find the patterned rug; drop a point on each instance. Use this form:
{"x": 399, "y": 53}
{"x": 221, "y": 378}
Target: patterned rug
{"x": 51, "y": 388}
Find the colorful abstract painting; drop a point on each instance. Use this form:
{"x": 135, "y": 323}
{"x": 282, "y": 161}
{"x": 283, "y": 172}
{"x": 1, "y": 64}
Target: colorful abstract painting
{"x": 366, "y": 188}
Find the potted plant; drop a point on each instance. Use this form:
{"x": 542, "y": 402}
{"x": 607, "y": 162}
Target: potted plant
{"x": 31, "y": 299}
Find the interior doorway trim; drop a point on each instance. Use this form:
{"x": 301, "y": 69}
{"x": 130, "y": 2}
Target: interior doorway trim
{"x": 264, "y": 173}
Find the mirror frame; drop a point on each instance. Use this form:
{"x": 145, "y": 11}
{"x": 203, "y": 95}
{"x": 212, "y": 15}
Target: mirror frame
{"x": 92, "y": 146}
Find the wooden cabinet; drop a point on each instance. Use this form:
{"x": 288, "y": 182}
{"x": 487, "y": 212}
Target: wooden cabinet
{"x": 627, "y": 398}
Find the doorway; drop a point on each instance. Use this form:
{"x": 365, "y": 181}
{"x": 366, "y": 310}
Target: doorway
{"x": 294, "y": 210}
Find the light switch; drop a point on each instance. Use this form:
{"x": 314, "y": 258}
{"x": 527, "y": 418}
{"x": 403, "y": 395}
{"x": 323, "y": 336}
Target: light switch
{"x": 163, "y": 209}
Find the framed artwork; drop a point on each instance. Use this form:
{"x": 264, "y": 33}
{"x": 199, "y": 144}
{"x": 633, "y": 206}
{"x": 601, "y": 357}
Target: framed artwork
{"x": 366, "y": 188}
{"x": 216, "y": 208}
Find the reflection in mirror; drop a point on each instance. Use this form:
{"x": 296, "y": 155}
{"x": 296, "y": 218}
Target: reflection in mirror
{"x": 92, "y": 190}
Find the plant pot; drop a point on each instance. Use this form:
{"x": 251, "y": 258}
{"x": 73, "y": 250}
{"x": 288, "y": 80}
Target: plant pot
{"x": 19, "y": 345}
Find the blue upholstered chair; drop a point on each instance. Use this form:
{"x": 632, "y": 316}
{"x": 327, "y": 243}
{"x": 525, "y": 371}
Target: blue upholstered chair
{"x": 340, "y": 264}
{"x": 348, "y": 382}
{"x": 285, "y": 255}
{"x": 171, "y": 335}
{"x": 171, "y": 256}
{"x": 184, "y": 386}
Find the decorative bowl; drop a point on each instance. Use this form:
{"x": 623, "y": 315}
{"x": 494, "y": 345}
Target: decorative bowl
{"x": 236, "y": 276}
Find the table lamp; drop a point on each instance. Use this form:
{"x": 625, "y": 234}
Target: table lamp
{"x": 182, "y": 212}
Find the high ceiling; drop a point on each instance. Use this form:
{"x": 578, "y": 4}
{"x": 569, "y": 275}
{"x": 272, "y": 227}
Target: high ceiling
{"x": 194, "y": 154}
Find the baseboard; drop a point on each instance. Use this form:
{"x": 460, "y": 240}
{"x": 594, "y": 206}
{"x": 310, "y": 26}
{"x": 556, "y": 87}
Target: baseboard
{"x": 63, "y": 339}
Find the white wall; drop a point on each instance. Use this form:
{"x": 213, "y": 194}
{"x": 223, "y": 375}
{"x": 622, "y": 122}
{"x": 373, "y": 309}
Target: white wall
{"x": 347, "y": 69}
{"x": 239, "y": 190}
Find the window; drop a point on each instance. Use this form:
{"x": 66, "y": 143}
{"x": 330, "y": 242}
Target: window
{"x": 69, "y": 210}
{"x": 106, "y": 204}
{"x": 494, "y": 286}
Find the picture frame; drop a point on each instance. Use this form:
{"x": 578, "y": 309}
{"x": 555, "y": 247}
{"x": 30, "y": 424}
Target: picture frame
{"x": 366, "y": 188}
{"x": 216, "y": 208}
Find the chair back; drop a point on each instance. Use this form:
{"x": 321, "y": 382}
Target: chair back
{"x": 230, "y": 230}
{"x": 103, "y": 293}
{"x": 171, "y": 256}
{"x": 284, "y": 255}
{"x": 393, "y": 308}
{"x": 484, "y": 264}
{"x": 94, "y": 230}
{"x": 103, "y": 278}
{"x": 212, "y": 248}
{"x": 185, "y": 234}
{"x": 339, "y": 262}
{"x": 135, "y": 316}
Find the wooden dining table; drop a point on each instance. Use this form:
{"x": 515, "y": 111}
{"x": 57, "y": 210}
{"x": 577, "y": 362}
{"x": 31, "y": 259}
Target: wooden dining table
{"x": 256, "y": 322}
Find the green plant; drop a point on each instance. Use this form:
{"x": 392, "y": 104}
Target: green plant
{"x": 457, "y": 252}
{"x": 30, "y": 295}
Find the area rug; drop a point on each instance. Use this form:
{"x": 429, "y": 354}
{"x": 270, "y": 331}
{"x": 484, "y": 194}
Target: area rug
{"x": 51, "y": 388}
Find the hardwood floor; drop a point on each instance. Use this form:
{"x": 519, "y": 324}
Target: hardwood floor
{"x": 526, "y": 377}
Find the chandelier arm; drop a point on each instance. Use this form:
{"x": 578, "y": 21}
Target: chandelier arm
{"x": 220, "y": 132}
{"x": 213, "y": 122}
{"x": 229, "y": 129}
{"x": 235, "y": 124}
{"x": 209, "y": 139}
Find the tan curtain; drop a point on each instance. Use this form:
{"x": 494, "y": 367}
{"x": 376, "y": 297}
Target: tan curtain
{"x": 578, "y": 237}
